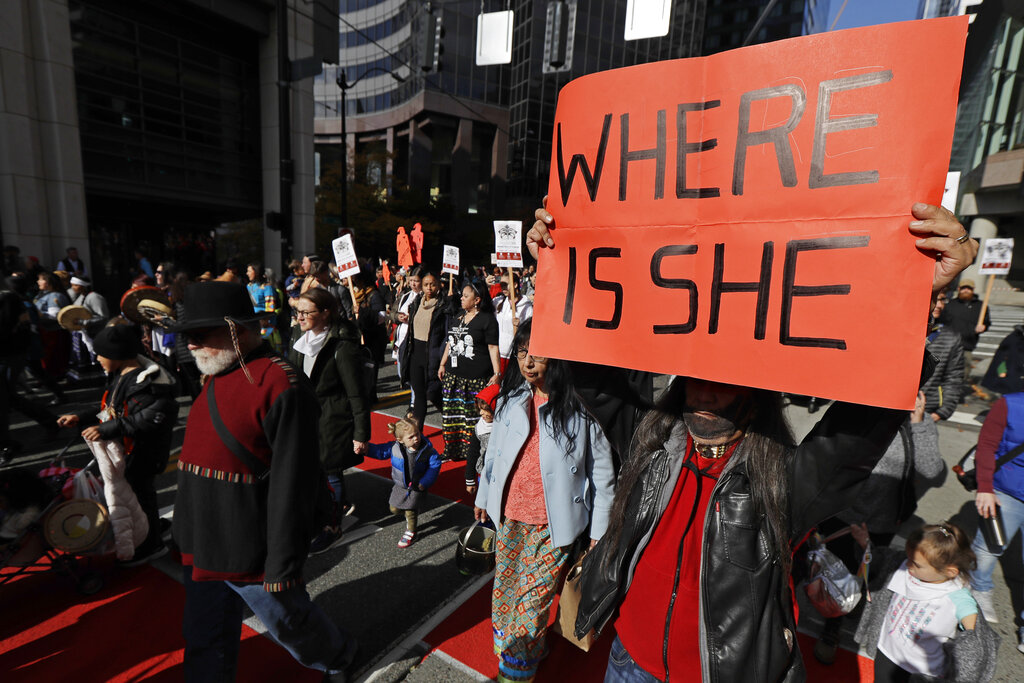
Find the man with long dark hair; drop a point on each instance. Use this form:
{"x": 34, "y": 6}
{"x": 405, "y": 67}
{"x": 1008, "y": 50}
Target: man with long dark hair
{"x": 714, "y": 497}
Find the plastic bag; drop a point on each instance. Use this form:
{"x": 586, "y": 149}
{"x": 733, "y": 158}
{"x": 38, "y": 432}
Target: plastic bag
{"x": 88, "y": 486}
{"x": 832, "y": 589}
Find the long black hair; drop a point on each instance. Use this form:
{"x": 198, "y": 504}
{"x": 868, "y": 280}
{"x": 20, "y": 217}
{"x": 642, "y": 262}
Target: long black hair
{"x": 486, "y": 304}
{"x": 767, "y": 444}
{"x": 563, "y": 403}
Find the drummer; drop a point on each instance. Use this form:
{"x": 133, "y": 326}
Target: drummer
{"x": 81, "y": 289}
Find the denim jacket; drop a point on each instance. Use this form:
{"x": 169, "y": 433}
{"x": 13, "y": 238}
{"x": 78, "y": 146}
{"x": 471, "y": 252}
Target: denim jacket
{"x": 579, "y": 482}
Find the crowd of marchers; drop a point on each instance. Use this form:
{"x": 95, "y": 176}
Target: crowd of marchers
{"x": 690, "y": 519}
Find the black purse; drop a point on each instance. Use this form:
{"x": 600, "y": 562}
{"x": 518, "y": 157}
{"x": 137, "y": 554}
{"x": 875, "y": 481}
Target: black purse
{"x": 967, "y": 474}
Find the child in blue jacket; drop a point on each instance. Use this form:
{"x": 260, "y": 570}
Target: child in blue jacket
{"x": 414, "y": 468}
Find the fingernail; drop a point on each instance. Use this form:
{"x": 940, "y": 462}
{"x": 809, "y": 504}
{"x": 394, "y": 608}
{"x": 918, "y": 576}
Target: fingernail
{"x": 547, "y": 218}
{"x": 920, "y": 242}
{"x": 920, "y": 206}
{"x": 550, "y": 242}
{"x": 915, "y": 224}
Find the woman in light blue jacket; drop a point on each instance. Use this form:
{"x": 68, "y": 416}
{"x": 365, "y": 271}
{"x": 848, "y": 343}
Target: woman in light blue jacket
{"x": 547, "y": 478}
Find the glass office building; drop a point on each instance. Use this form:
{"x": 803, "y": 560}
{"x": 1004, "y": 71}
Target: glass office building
{"x": 432, "y": 130}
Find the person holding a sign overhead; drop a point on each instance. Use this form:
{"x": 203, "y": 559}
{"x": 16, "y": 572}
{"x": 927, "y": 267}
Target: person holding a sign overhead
{"x": 694, "y": 566}
{"x": 469, "y": 363}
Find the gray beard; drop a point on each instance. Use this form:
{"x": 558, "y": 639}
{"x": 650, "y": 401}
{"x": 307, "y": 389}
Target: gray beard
{"x": 214, "y": 361}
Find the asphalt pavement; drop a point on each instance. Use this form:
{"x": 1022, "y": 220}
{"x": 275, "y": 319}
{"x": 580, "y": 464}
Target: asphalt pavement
{"x": 390, "y": 598}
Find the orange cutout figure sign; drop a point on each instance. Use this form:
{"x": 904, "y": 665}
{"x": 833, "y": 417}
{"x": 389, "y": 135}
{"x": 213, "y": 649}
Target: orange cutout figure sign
{"x": 744, "y": 217}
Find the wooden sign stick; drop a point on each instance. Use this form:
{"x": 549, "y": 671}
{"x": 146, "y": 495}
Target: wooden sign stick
{"x": 512, "y": 298}
{"x": 984, "y": 302}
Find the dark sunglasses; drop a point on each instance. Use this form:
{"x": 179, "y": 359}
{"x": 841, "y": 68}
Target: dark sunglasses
{"x": 197, "y": 337}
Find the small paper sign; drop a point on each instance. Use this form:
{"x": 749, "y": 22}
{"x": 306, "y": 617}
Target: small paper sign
{"x": 345, "y": 256}
{"x": 996, "y": 256}
{"x": 450, "y": 263}
{"x": 508, "y": 244}
{"x": 494, "y": 38}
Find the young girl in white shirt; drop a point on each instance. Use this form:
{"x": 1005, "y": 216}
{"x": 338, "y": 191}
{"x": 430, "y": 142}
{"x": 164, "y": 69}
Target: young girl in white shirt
{"x": 930, "y": 601}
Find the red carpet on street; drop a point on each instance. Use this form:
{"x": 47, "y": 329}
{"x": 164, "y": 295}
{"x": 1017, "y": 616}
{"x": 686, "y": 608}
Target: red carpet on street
{"x": 129, "y": 631}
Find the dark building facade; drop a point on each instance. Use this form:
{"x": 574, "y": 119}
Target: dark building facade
{"x": 163, "y": 127}
{"x": 477, "y": 135}
{"x": 729, "y": 22}
{"x": 168, "y": 111}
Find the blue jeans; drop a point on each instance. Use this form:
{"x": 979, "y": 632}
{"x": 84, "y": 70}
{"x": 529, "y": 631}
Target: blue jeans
{"x": 622, "y": 668}
{"x": 212, "y": 626}
{"x": 1012, "y": 512}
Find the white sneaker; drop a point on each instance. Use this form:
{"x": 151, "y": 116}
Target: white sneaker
{"x": 987, "y": 607}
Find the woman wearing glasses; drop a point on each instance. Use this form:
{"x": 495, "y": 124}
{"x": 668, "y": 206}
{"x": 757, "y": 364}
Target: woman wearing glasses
{"x": 328, "y": 353}
{"x": 468, "y": 364}
{"x": 547, "y": 479}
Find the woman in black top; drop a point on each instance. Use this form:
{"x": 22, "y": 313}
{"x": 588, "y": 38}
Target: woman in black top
{"x": 468, "y": 364}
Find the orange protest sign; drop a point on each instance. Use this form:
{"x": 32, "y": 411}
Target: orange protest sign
{"x": 744, "y": 217}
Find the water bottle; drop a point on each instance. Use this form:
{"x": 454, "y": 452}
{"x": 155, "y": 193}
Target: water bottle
{"x": 992, "y": 531}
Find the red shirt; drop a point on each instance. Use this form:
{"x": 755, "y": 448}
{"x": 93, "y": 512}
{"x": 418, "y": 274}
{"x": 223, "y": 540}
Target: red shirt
{"x": 645, "y": 612}
{"x": 525, "y": 501}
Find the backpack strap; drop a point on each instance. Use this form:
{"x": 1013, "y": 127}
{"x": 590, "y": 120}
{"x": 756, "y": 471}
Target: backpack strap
{"x": 1007, "y": 457}
{"x": 258, "y": 467}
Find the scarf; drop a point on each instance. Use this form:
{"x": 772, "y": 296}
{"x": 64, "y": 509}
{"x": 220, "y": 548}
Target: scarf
{"x": 309, "y": 344}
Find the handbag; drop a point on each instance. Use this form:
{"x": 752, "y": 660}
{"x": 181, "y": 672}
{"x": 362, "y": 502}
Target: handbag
{"x": 568, "y": 608}
{"x": 832, "y": 589}
{"x": 967, "y": 474}
{"x": 87, "y": 486}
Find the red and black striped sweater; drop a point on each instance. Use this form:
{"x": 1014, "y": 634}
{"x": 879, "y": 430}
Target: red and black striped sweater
{"x": 229, "y": 523}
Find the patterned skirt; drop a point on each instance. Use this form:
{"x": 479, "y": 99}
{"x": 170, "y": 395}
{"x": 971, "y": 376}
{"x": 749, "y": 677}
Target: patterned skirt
{"x": 459, "y": 414}
{"x": 526, "y": 577}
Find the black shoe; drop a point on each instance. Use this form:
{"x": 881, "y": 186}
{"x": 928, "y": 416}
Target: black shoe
{"x": 326, "y": 539}
{"x": 165, "y": 526}
{"x": 147, "y": 552}
{"x": 343, "y": 663}
{"x": 828, "y": 643}
{"x": 8, "y": 451}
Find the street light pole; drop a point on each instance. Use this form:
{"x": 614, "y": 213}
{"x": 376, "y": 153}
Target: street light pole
{"x": 344, "y": 85}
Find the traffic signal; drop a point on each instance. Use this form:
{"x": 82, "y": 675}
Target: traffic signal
{"x": 431, "y": 33}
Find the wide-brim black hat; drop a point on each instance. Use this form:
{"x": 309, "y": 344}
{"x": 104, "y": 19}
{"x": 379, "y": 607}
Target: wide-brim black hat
{"x": 213, "y": 304}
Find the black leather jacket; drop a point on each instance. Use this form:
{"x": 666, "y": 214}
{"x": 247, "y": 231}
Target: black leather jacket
{"x": 747, "y": 621}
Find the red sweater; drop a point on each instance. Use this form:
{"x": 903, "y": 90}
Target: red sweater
{"x": 229, "y": 523}
{"x": 988, "y": 443}
{"x": 645, "y": 613}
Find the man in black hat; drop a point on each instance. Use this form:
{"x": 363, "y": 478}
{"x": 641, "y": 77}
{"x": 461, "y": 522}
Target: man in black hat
{"x": 137, "y": 407}
{"x": 961, "y": 315}
{"x": 248, "y": 479}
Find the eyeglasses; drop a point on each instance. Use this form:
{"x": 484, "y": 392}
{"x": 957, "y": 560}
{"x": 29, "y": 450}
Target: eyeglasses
{"x": 305, "y": 314}
{"x": 522, "y": 353}
{"x": 198, "y": 337}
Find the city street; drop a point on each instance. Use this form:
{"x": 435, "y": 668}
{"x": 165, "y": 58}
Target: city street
{"x": 393, "y": 599}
